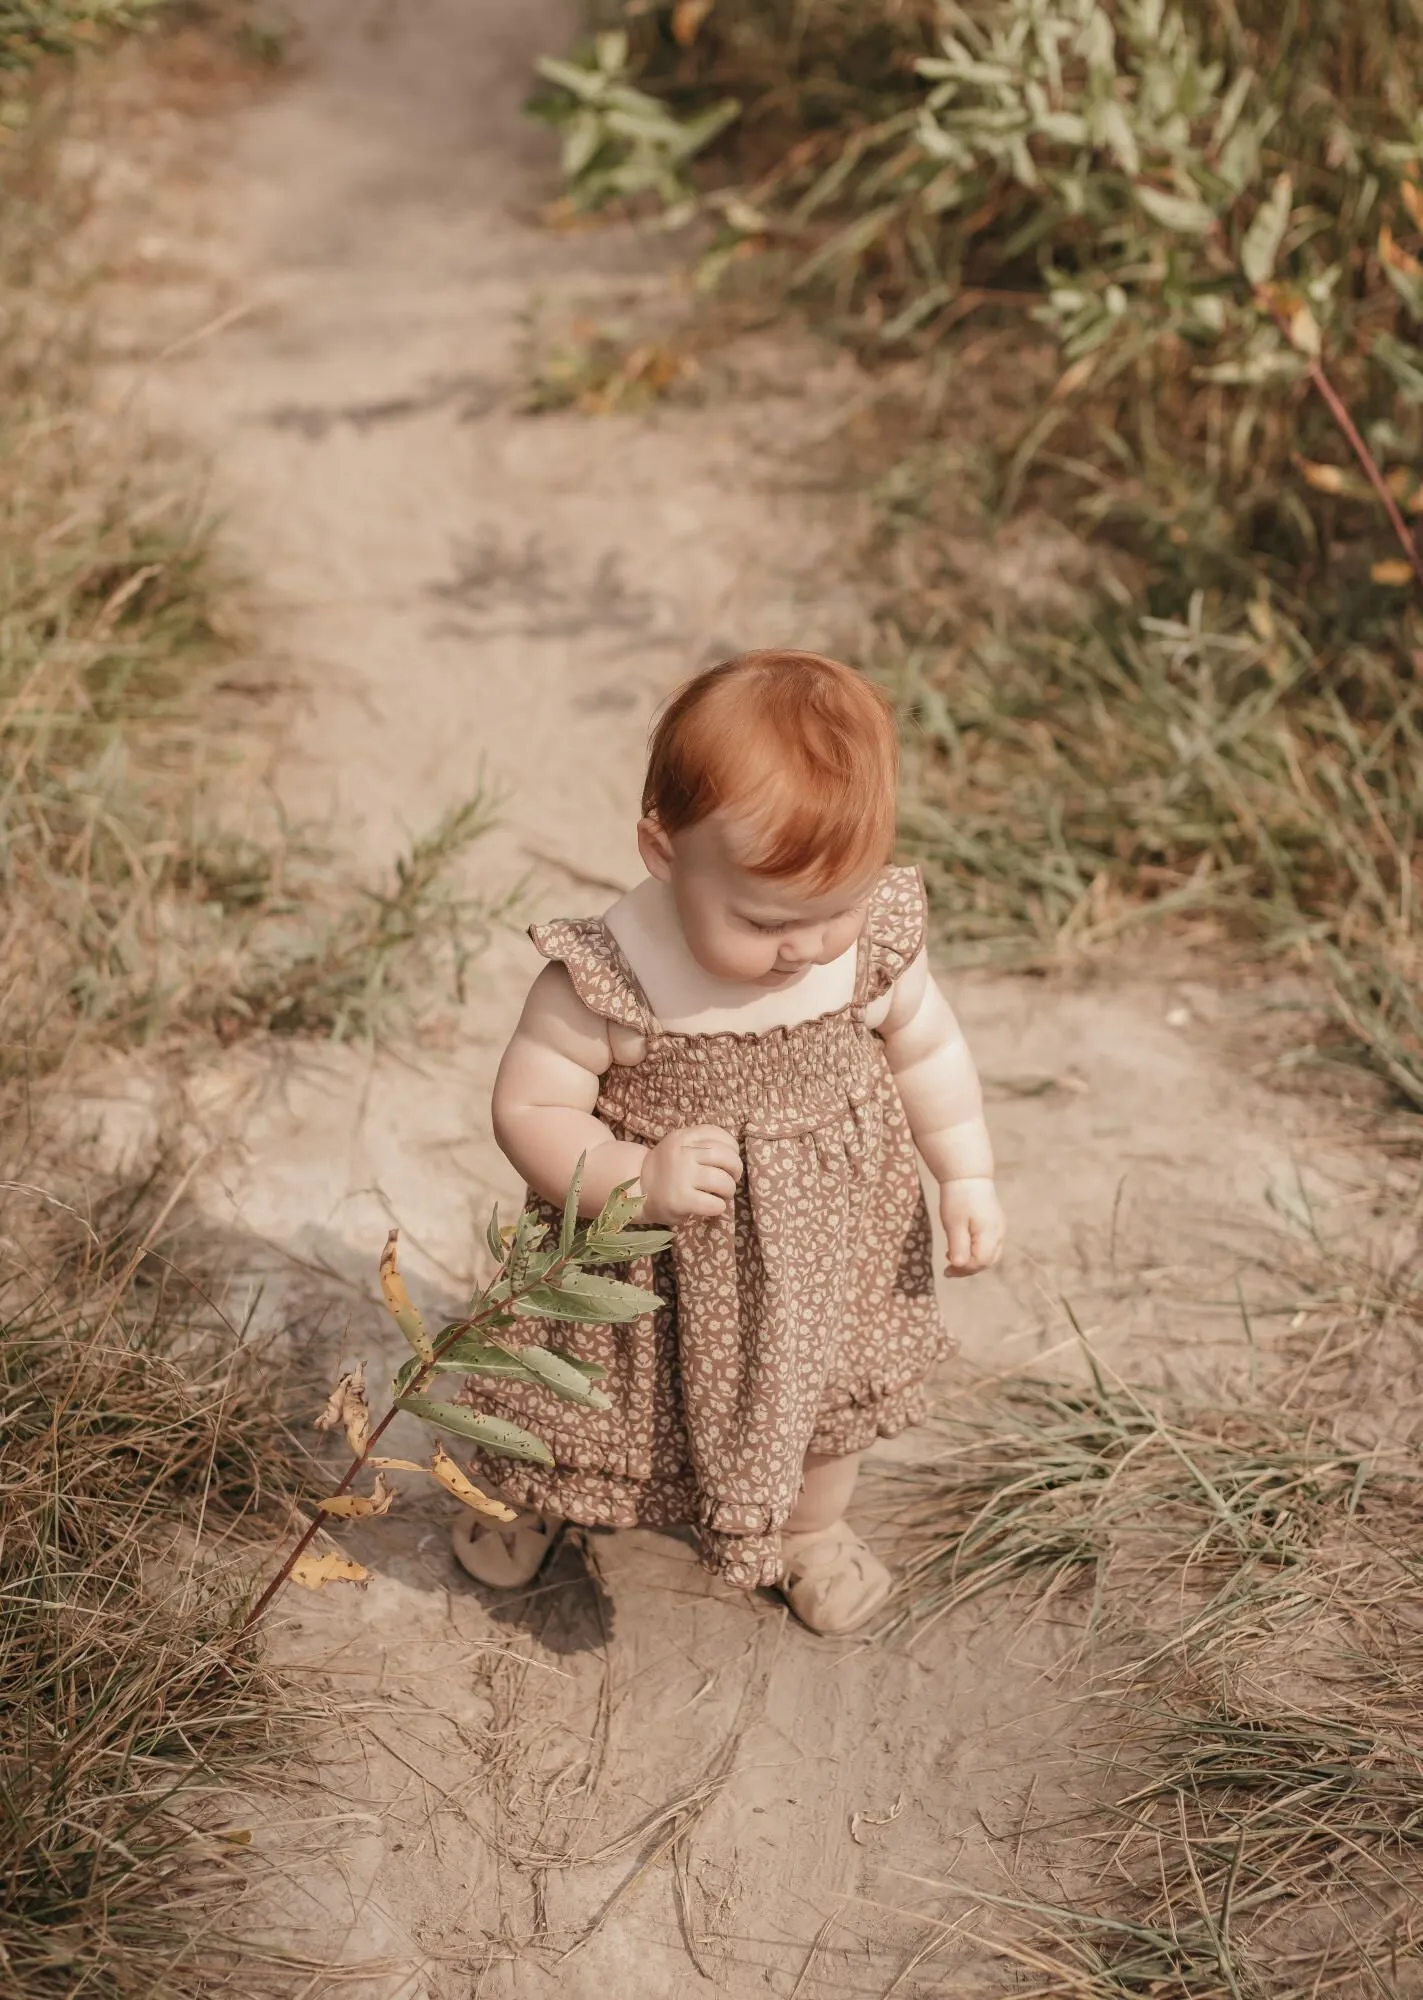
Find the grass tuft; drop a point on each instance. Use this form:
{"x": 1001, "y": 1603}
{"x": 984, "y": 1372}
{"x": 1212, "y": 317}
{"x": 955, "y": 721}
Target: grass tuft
{"x": 135, "y": 1421}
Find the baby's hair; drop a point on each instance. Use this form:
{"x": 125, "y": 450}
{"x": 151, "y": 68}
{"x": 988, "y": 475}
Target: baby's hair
{"x": 804, "y": 746}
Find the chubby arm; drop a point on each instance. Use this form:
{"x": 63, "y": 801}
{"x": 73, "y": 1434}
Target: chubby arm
{"x": 544, "y": 1102}
{"x": 943, "y": 1102}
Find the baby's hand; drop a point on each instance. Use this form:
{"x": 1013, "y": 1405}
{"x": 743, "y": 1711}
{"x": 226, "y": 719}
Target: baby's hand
{"x": 973, "y": 1223}
{"x": 691, "y": 1173}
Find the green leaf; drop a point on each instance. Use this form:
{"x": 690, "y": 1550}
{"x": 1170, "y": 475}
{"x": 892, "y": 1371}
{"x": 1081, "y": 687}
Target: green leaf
{"x": 570, "y": 1209}
{"x": 563, "y": 1378}
{"x": 494, "y": 1434}
{"x": 1231, "y": 106}
{"x": 492, "y": 1236}
{"x": 851, "y": 241}
{"x": 1176, "y": 212}
{"x": 481, "y": 1357}
{"x": 1404, "y": 364}
{"x": 589, "y": 1298}
{"x": 627, "y": 1244}
{"x": 621, "y": 1208}
{"x": 594, "y": 1370}
{"x": 581, "y": 83}
{"x": 1260, "y": 246}
{"x": 529, "y": 1233}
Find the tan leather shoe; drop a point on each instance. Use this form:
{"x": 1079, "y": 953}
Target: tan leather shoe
{"x": 831, "y": 1580}
{"x": 505, "y": 1553}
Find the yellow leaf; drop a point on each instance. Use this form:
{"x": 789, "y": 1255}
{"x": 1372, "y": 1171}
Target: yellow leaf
{"x": 347, "y": 1408}
{"x": 397, "y": 1299}
{"x": 1395, "y": 572}
{"x": 396, "y": 1464}
{"x": 1323, "y": 478}
{"x": 1413, "y": 202}
{"x": 443, "y": 1468}
{"x": 237, "y": 1836}
{"x": 1395, "y": 255}
{"x": 359, "y": 1506}
{"x": 687, "y": 19}
{"x": 1303, "y": 331}
{"x": 315, "y": 1572}
{"x": 1073, "y": 378}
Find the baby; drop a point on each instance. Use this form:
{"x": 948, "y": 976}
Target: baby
{"x": 753, "y": 1038}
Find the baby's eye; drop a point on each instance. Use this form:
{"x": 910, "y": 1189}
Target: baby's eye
{"x": 767, "y": 930}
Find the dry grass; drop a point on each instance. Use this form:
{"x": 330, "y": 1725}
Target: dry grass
{"x": 1244, "y": 1579}
{"x": 144, "y": 1445}
{"x": 132, "y": 912}
{"x": 136, "y": 1421}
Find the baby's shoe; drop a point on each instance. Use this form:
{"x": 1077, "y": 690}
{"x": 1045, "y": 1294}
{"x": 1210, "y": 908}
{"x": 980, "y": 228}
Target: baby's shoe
{"x": 831, "y": 1580}
{"x": 505, "y": 1553}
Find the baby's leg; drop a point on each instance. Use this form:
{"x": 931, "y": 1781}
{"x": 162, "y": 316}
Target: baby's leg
{"x": 831, "y": 1581}
{"x": 825, "y": 1488}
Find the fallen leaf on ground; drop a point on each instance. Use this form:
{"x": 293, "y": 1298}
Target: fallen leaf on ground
{"x": 1395, "y": 572}
{"x": 360, "y": 1506}
{"x": 347, "y": 1408}
{"x": 315, "y": 1572}
{"x": 443, "y": 1468}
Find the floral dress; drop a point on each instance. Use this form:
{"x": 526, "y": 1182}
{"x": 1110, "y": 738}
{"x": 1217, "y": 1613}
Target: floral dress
{"x": 803, "y": 1320}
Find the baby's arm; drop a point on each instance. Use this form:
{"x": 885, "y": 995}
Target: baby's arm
{"x": 544, "y": 1100}
{"x": 943, "y": 1102}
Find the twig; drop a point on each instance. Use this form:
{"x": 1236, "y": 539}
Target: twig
{"x": 487, "y": 1308}
{"x": 1339, "y": 410}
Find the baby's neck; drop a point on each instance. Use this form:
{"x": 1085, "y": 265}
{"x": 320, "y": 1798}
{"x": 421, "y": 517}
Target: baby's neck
{"x": 688, "y": 1001}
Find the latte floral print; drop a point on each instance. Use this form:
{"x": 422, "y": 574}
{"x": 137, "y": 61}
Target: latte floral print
{"x": 803, "y": 1320}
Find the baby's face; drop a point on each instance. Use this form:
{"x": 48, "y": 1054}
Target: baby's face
{"x": 747, "y": 928}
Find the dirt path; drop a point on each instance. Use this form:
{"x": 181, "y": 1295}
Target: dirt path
{"x": 653, "y": 1775}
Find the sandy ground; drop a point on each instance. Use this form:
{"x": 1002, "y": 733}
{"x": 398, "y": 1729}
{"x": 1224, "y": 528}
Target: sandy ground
{"x": 633, "y": 1783}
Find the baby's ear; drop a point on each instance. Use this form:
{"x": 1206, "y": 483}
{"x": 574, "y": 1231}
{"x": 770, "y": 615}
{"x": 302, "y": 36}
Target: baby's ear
{"x": 655, "y": 847}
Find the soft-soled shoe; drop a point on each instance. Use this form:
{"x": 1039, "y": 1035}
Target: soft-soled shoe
{"x": 505, "y": 1553}
{"x": 831, "y": 1580}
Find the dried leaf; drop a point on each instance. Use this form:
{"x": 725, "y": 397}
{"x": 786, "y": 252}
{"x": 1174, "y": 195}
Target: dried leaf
{"x": 1303, "y": 333}
{"x": 347, "y": 1408}
{"x": 1323, "y": 478}
{"x": 687, "y": 19}
{"x": 1413, "y": 202}
{"x": 396, "y": 1464}
{"x": 1395, "y": 256}
{"x": 315, "y": 1572}
{"x": 360, "y": 1506}
{"x": 397, "y": 1299}
{"x": 1395, "y": 572}
{"x": 444, "y": 1469}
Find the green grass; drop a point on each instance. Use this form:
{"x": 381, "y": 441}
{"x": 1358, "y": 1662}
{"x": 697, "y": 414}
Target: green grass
{"x": 1119, "y": 240}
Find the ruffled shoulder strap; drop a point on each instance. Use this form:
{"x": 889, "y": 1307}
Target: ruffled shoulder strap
{"x": 602, "y": 977}
{"x": 894, "y": 929}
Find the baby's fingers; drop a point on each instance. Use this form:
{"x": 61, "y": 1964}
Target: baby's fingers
{"x": 715, "y": 1148}
{"x": 700, "y": 1204}
{"x": 962, "y": 1263}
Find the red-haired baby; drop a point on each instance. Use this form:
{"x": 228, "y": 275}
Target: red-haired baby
{"x": 752, "y": 1036}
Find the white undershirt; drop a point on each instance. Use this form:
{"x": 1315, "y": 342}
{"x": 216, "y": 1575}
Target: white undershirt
{"x": 687, "y": 1000}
